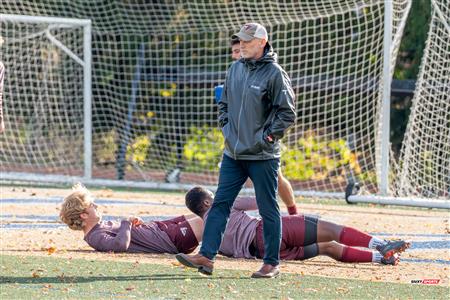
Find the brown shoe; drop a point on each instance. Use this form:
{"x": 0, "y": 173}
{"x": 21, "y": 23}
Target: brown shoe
{"x": 202, "y": 264}
{"x": 267, "y": 271}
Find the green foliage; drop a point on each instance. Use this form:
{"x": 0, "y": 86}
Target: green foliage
{"x": 408, "y": 64}
{"x": 310, "y": 159}
{"x": 413, "y": 40}
{"x": 315, "y": 159}
{"x": 138, "y": 149}
{"x": 105, "y": 147}
{"x": 203, "y": 149}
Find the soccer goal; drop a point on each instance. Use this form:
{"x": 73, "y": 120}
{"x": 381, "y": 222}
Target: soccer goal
{"x": 154, "y": 69}
{"x": 47, "y": 97}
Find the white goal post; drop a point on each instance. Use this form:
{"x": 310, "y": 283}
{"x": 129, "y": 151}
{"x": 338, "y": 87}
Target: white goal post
{"x": 42, "y": 28}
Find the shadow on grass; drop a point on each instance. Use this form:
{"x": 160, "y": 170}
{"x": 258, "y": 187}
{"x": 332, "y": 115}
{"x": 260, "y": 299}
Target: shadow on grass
{"x": 340, "y": 265}
{"x": 84, "y": 279}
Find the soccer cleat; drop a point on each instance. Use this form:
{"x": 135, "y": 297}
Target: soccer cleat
{"x": 392, "y": 247}
{"x": 392, "y": 260}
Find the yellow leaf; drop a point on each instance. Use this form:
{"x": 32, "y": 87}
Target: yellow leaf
{"x": 51, "y": 250}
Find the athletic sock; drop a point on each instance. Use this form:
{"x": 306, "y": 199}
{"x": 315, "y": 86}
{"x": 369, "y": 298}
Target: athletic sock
{"x": 376, "y": 257}
{"x": 350, "y": 255}
{"x": 375, "y": 242}
{"x": 292, "y": 210}
{"x": 352, "y": 237}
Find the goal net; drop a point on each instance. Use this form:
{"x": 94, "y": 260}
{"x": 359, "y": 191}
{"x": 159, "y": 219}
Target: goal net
{"x": 424, "y": 168}
{"x": 154, "y": 69}
{"x": 45, "y": 71}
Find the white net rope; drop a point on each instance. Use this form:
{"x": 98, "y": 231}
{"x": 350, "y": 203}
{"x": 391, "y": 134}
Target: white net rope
{"x": 424, "y": 168}
{"x": 154, "y": 70}
{"x": 43, "y": 99}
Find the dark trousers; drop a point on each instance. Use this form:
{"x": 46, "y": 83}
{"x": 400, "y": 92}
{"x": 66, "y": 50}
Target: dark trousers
{"x": 233, "y": 174}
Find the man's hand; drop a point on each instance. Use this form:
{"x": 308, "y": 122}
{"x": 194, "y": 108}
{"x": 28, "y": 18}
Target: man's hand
{"x": 135, "y": 221}
{"x": 270, "y": 139}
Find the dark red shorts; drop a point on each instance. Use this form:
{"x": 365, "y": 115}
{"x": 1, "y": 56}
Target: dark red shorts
{"x": 180, "y": 233}
{"x": 298, "y": 233}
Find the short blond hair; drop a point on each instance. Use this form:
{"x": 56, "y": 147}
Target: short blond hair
{"x": 74, "y": 205}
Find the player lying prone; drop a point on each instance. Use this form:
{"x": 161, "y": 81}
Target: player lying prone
{"x": 303, "y": 236}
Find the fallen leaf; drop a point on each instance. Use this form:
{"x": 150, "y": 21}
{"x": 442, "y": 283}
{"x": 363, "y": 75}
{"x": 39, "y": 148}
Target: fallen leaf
{"x": 51, "y": 250}
{"x": 130, "y": 288}
{"x": 342, "y": 290}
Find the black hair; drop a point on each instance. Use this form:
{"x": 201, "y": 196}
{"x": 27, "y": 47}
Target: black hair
{"x": 194, "y": 199}
{"x": 234, "y": 41}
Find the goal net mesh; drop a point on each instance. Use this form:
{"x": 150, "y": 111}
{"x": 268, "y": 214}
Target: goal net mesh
{"x": 424, "y": 167}
{"x": 154, "y": 69}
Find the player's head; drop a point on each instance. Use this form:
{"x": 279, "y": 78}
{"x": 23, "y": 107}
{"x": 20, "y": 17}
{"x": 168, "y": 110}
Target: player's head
{"x": 199, "y": 200}
{"x": 253, "y": 39}
{"x": 235, "y": 48}
{"x": 79, "y": 208}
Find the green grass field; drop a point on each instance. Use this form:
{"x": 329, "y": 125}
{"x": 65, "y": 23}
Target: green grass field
{"x": 30, "y": 277}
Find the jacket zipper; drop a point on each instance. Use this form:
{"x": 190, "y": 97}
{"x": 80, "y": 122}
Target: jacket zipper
{"x": 240, "y": 112}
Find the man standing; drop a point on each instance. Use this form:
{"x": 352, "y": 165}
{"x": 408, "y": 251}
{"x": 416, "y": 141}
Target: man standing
{"x": 256, "y": 108}
{"x": 284, "y": 186}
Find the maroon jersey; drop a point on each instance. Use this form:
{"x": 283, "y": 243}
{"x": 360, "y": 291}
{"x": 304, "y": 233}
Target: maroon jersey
{"x": 170, "y": 236}
{"x": 241, "y": 229}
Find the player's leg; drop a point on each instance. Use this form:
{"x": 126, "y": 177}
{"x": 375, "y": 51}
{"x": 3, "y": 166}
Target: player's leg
{"x": 328, "y": 231}
{"x": 344, "y": 253}
{"x": 302, "y": 230}
{"x": 286, "y": 193}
